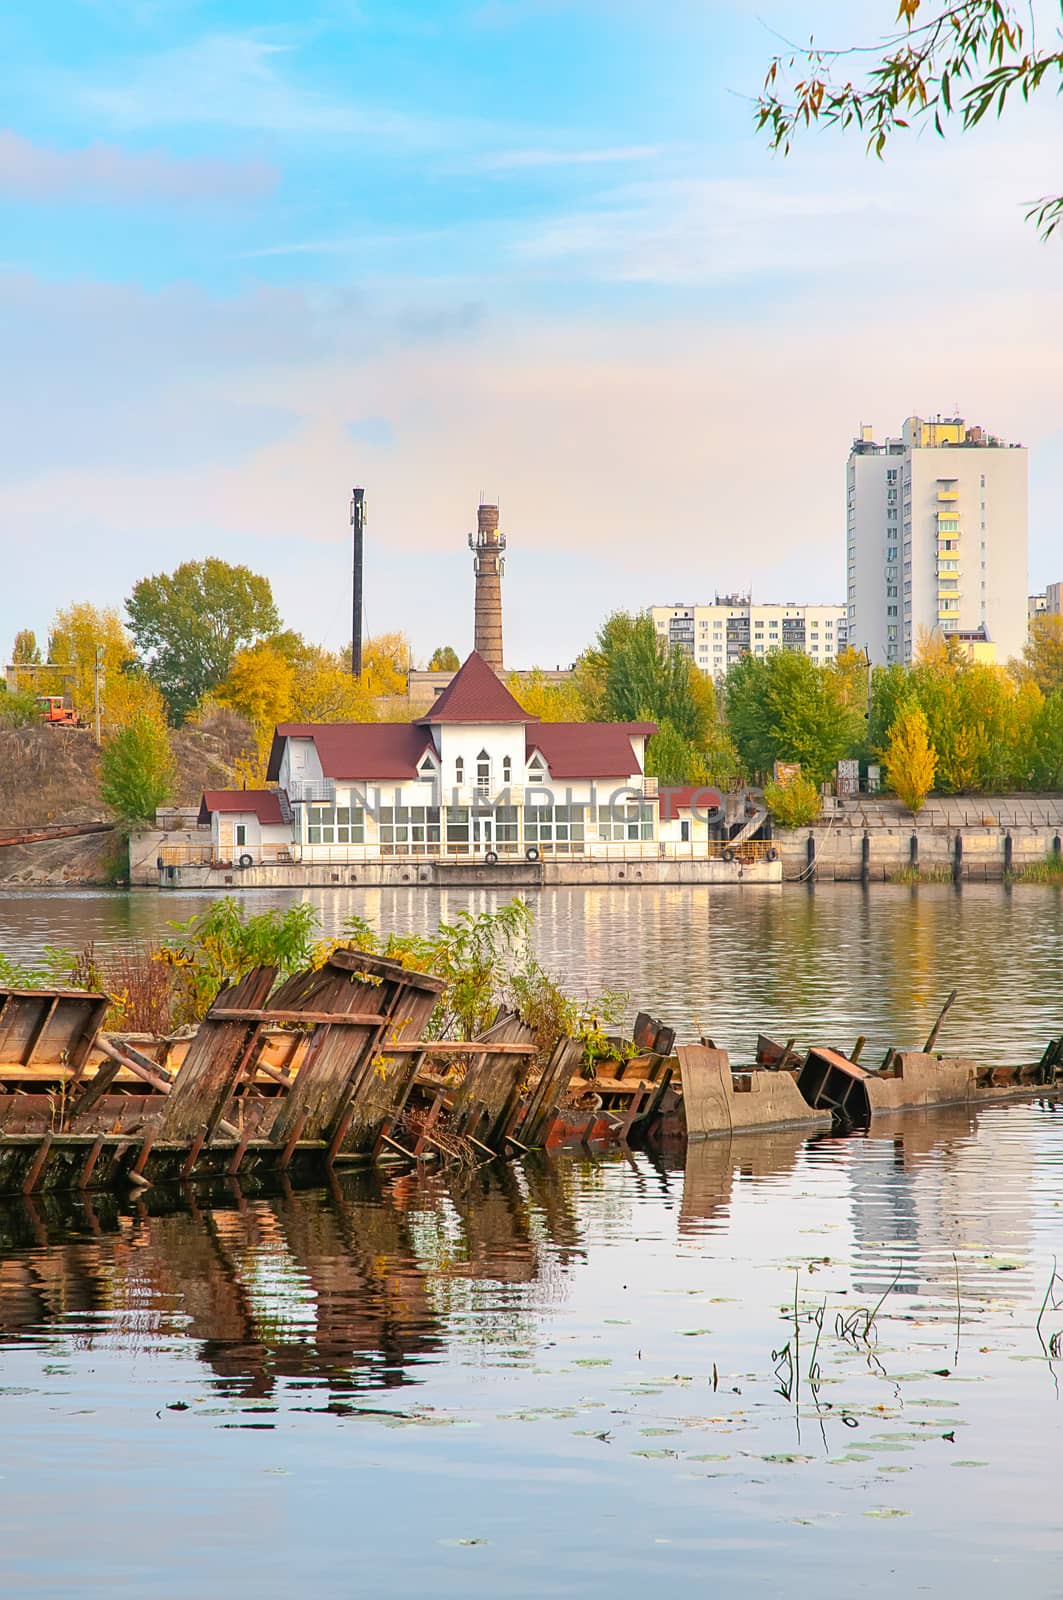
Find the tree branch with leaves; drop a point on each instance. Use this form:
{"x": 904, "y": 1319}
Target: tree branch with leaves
{"x": 943, "y": 63}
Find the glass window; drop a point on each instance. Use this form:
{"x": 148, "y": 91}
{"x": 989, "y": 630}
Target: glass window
{"x": 507, "y": 771}
{"x": 459, "y": 772}
{"x": 483, "y": 770}
{"x": 328, "y": 824}
{"x": 241, "y": 833}
{"x": 408, "y": 828}
{"x": 457, "y": 827}
{"x": 554, "y": 825}
{"x": 625, "y": 821}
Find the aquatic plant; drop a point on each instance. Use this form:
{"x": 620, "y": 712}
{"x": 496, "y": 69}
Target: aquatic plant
{"x": 1050, "y": 870}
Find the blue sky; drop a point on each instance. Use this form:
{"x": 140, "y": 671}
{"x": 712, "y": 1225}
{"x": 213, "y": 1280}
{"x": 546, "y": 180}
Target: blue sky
{"x": 253, "y": 253}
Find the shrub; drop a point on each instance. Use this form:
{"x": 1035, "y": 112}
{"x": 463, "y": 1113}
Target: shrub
{"x": 793, "y": 803}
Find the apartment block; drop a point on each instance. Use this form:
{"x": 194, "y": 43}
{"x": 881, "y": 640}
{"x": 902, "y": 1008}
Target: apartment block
{"x": 715, "y": 636}
{"x": 936, "y": 540}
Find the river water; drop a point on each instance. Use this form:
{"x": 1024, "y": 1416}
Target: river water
{"x": 784, "y": 1366}
{"x": 824, "y": 964}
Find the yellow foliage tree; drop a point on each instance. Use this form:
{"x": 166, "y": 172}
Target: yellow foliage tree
{"x": 259, "y": 686}
{"x": 1042, "y": 656}
{"x": 323, "y": 690}
{"x": 550, "y": 702}
{"x": 78, "y": 632}
{"x": 911, "y": 760}
{"x": 386, "y": 664}
{"x": 128, "y": 698}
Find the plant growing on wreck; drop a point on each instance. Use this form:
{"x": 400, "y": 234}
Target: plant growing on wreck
{"x": 222, "y": 943}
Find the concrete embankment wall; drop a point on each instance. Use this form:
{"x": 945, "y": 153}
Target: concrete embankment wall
{"x": 978, "y": 839}
{"x": 516, "y": 875}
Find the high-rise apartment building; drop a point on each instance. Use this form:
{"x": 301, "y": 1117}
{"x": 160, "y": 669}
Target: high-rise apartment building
{"x": 936, "y": 540}
{"x": 716, "y": 636}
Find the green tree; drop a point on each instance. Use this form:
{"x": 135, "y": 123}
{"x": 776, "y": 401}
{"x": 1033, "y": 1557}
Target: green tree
{"x": 673, "y": 760}
{"x": 910, "y": 758}
{"x": 137, "y": 771}
{"x": 189, "y": 624}
{"x": 783, "y": 707}
{"x": 944, "y": 60}
{"x": 629, "y": 675}
{"x": 444, "y": 659}
{"x": 1047, "y": 743}
{"x": 19, "y": 708}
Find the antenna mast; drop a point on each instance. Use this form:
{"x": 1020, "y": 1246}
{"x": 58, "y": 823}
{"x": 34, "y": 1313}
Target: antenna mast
{"x": 358, "y": 525}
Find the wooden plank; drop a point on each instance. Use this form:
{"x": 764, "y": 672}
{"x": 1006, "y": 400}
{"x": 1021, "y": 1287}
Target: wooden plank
{"x": 482, "y": 1046}
{"x": 48, "y": 1008}
{"x": 96, "y": 1090}
{"x": 216, "y": 1057}
{"x": 486, "y": 1095}
{"x": 337, "y": 1070}
{"x": 86, "y": 1039}
{"x": 269, "y": 1015}
{"x": 36, "y": 1171}
{"x": 546, "y": 1096}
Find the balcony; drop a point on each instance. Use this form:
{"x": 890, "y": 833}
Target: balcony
{"x": 300, "y": 790}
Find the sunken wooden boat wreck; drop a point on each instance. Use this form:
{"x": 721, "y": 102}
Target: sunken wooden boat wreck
{"x": 332, "y": 1067}
{"x": 329, "y": 1067}
{"x": 829, "y": 1089}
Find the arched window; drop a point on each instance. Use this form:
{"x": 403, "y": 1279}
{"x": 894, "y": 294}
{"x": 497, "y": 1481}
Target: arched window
{"x": 483, "y": 771}
{"x": 507, "y": 771}
{"x": 459, "y": 772}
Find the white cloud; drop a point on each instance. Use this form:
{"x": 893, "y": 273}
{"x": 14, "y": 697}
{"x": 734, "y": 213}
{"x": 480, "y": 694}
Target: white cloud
{"x": 105, "y": 172}
{"x": 682, "y": 455}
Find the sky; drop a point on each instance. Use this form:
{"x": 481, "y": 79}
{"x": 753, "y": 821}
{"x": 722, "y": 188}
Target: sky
{"x": 531, "y": 251}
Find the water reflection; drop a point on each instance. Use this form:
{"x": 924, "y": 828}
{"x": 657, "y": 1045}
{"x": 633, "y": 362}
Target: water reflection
{"x": 826, "y": 964}
{"x": 345, "y": 1286}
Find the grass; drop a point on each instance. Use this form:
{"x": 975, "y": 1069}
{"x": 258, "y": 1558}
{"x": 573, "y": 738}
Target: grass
{"x": 1050, "y": 870}
{"x": 916, "y": 875}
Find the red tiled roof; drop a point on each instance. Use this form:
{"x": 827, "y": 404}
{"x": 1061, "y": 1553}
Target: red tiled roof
{"x": 357, "y": 749}
{"x": 701, "y": 799}
{"x": 261, "y": 803}
{"x": 588, "y": 749}
{"x": 476, "y": 694}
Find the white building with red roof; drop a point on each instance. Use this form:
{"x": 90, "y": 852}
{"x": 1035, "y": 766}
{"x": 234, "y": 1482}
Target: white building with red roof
{"x": 477, "y": 776}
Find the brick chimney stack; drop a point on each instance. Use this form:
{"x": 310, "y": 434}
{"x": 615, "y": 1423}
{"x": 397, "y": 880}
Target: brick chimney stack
{"x": 489, "y": 563}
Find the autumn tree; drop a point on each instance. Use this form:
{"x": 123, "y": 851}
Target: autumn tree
{"x": 444, "y": 659}
{"x": 323, "y": 690}
{"x": 550, "y": 702}
{"x": 910, "y": 758}
{"x": 793, "y": 801}
{"x": 941, "y": 63}
{"x": 137, "y": 771}
{"x": 385, "y": 664}
{"x": 189, "y": 624}
{"x": 25, "y": 652}
{"x": 1042, "y": 656}
{"x": 83, "y": 635}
